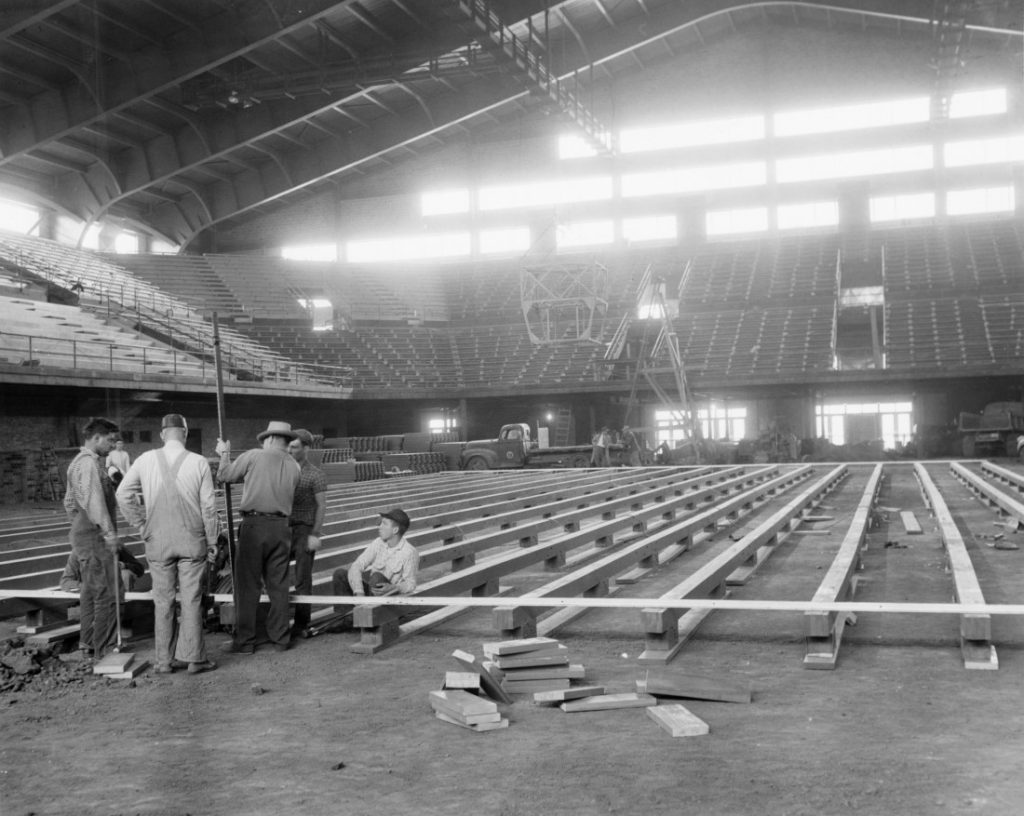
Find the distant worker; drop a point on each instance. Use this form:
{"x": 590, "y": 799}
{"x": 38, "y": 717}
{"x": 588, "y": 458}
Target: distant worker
{"x": 389, "y": 566}
{"x": 632, "y": 446}
{"x": 91, "y": 508}
{"x": 168, "y": 495}
{"x": 306, "y": 522}
{"x": 119, "y": 460}
{"x": 601, "y": 441}
{"x": 269, "y": 476}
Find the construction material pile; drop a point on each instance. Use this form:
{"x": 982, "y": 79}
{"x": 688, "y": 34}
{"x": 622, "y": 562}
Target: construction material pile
{"x": 39, "y": 668}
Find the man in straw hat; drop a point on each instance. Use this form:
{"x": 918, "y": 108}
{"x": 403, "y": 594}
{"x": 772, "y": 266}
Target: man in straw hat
{"x": 168, "y": 494}
{"x": 269, "y": 476}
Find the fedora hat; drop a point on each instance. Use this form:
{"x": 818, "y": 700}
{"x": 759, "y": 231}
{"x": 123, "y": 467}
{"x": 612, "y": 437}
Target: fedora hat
{"x": 277, "y": 429}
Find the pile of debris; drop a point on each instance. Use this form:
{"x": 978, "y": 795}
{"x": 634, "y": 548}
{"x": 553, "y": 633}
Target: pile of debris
{"x": 39, "y": 668}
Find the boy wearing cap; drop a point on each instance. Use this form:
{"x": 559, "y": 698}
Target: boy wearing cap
{"x": 168, "y": 494}
{"x": 269, "y": 476}
{"x": 389, "y": 565}
{"x": 306, "y": 523}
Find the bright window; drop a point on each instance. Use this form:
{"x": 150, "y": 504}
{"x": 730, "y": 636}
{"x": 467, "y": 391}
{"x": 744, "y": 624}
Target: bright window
{"x": 584, "y": 233}
{"x": 18, "y": 217}
{"x": 160, "y": 247}
{"x": 92, "y": 237}
{"x": 691, "y": 179}
{"x": 724, "y": 222}
{"x": 546, "y": 193}
{"x": 498, "y": 241}
{"x": 669, "y": 427}
{"x": 574, "y": 146}
{"x": 321, "y": 311}
{"x": 863, "y": 163}
{"x": 987, "y": 200}
{"x": 408, "y": 248}
{"x": 852, "y": 117}
{"x": 441, "y": 424}
{"x": 650, "y": 228}
{"x": 444, "y": 202}
{"x": 984, "y": 151}
{"x": 977, "y": 103}
{"x": 814, "y": 214}
{"x": 720, "y": 421}
{"x": 690, "y": 134}
{"x": 127, "y": 243}
{"x": 902, "y": 207}
{"x": 310, "y": 252}
{"x": 852, "y": 423}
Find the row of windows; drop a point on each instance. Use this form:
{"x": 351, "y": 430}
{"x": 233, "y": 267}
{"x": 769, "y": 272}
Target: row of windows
{"x": 833, "y": 119}
{"x": 657, "y": 228}
{"x": 703, "y": 178}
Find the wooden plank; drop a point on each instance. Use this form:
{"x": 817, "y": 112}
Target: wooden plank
{"x": 533, "y": 686}
{"x": 607, "y": 702}
{"x": 571, "y": 693}
{"x": 495, "y": 726}
{"x": 529, "y": 661}
{"x": 462, "y": 701}
{"x": 113, "y": 663}
{"x": 467, "y": 681}
{"x": 514, "y": 647}
{"x": 554, "y": 621}
{"x": 678, "y": 720}
{"x": 694, "y": 687}
{"x": 910, "y": 522}
{"x": 488, "y": 683}
{"x": 466, "y": 719}
{"x": 574, "y": 671}
{"x": 53, "y": 635}
{"x": 133, "y": 671}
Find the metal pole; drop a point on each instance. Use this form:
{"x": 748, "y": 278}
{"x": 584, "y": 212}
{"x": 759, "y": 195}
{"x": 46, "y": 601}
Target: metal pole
{"x": 227, "y": 487}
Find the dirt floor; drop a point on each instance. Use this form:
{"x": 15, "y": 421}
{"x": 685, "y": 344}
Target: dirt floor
{"x": 899, "y": 727}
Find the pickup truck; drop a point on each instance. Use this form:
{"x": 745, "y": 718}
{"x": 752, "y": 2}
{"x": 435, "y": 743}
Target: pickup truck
{"x": 997, "y": 431}
{"x": 514, "y": 448}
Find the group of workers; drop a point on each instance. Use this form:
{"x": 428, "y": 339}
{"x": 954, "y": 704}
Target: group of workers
{"x": 168, "y": 494}
{"x": 604, "y": 439}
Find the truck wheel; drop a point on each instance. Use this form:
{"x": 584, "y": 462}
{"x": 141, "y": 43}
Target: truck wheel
{"x": 1011, "y": 446}
{"x": 476, "y": 463}
{"x": 580, "y": 461}
{"x": 969, "y": 447}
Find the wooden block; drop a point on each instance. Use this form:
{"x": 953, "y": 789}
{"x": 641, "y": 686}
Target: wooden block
{"x": 461, "y": 680}
{"x": 694, "y": 687}
{"x": 532, "y": 661}
{"x": 678, "y": 721}
{"x": 495, "y": 726}
{"x": 465, "y": 719}
{"x": 488, "y": 682}
{"x": 606, "y": 702}
{"x": 532, "y": 686}
{"x": 510, "y": 647}
{"x": 53, "y": 635}
{"x": 462, "y": 701}
{"x": 561, "y": 695}
{"x": 575, "y": 671}
{"x": 38, "y": 629}
{"x": 113, "y": 663}
{"x": 910, "y": 523}
{"x": 133, "y": 671}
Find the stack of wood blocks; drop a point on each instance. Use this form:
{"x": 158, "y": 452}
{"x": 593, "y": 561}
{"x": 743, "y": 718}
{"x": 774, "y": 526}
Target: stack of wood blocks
{"x": 120, "y": 666}
{"x": 532, "y": 665}
{"x": 466, "y": 710}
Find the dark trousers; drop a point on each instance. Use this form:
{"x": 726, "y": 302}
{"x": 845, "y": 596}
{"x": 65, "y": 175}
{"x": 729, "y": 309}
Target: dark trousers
{"x": 341, "y": 586}
{"x": 303, "y": 572}
{"x": 262, "y": 561}
{"x": 98, "y": 616}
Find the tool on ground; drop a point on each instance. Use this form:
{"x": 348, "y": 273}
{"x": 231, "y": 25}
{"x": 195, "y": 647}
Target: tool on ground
{"x": 336, "y": 619}
{"x": 117, "y": 602}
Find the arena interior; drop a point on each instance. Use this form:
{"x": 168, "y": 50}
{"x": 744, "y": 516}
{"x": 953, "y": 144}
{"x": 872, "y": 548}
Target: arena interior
{"x": 778, "y": 243}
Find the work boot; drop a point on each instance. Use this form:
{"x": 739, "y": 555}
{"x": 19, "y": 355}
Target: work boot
{"x": 234, "y": 648}
{"x": 199, "y": 668}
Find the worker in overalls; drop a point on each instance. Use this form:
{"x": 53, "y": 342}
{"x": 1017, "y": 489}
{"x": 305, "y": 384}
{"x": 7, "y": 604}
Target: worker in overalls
{"x": 90, "y": 505}
{"x": 168, "y": 494}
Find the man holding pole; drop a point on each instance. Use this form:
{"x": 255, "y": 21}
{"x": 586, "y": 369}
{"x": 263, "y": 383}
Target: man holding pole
{"x": 90, "y": 505}
{"x": 269, "y": 476}
{"x": 168, "y": 495}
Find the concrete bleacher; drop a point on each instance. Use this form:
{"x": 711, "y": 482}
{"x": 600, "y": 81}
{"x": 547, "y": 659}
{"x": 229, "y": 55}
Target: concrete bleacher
{"x": 187, "y": 277}
{"x": 37, "y": 333}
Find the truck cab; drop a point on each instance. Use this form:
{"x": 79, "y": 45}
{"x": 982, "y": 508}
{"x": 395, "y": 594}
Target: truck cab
{"x": 509, "y": 450}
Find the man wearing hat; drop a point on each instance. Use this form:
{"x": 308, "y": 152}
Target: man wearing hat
{"x": 306, "y": 523}
{"x": 269, "y": 476}
{"x": 168, "y": 494}
{"x": 388, "y": 566}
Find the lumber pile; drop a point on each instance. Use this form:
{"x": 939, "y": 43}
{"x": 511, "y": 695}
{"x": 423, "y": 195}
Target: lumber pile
{"x": 466, "y": 710}
{"x": 532, "y": 665}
